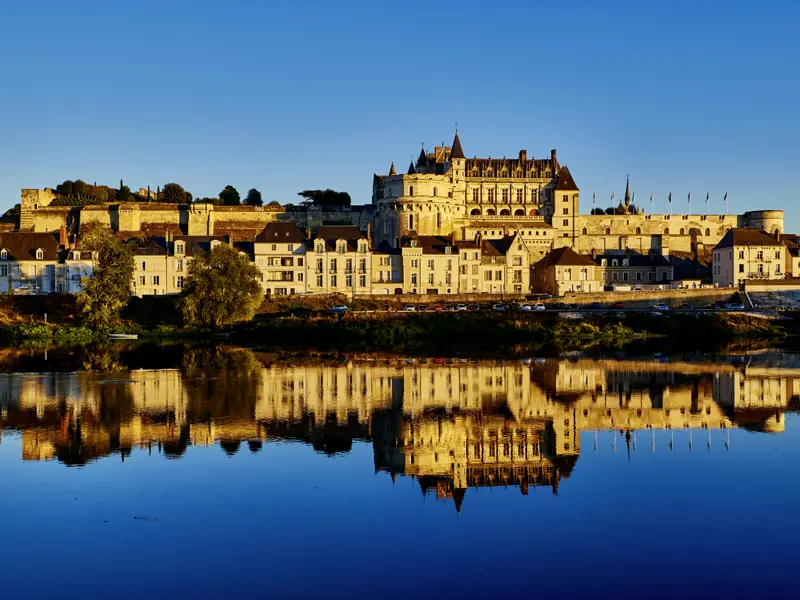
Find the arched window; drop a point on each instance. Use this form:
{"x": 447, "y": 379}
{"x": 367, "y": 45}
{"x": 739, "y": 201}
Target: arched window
{"x": 534, "y": 212}
{"x": 475, "y": 211}
{"x": 681, "y": 231}
{"x": 505, "y": 211}
{"x": 608, "y": 231}
{"x": 490, "y": 212}
{"x": 584, "y": 231}
{"x": 666, "y": 231}
{"x": 708, "y": 231}
{"x": 519, "y": 213}
{"x": 638, "y": 231}
{"x": 4, "y": 254}
{"x": 39, "y": 254}
{"x": 411, "y": 190}
{"x": 411, "y": 221}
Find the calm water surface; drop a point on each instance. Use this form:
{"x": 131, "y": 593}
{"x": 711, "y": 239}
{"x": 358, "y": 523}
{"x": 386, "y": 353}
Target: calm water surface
{"x": 233, "y": 475}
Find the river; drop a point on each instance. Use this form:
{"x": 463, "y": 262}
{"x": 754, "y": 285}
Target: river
{"x": 234, "y": 474}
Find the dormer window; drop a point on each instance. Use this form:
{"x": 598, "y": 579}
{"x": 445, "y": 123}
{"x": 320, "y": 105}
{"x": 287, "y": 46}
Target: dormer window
{"x": 342, "y": 247}
{"x": 320, "y": 247}
{"x": 615, "y": 263}
{"x": 624, "y": 262}
{"x": 215, "y": 243}
{"x": 362, "y": 247}
{"x": 447, "y": 249}
{"x": 39, "y": 254}
{"x": 4, "y": 254}
{"x": 179, "y": 248}
{"x": 413, "y": 243}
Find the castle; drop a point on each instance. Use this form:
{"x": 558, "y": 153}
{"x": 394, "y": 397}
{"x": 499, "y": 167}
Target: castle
{"x": 446, "y": 194}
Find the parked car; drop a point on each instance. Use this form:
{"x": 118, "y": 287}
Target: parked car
{"x": 687, "y": 306}
{"x": 525, "y": 307}
{"x": 595, "y": 305}
{"x": 557, "y": 306}
{"x": 720, "y": 305}
{"x": 410, "y": 308}
{"x": 438, "y": 307}
{"x": 500, "y": 307}
{"x": 574, "y": 307}
{"x": 339, "y": 309}
{"x": 661, "y": 306}
{"x": 422, "y": 308}
{"x": 617, "y": 305}
{"x": 474, "y": 307}
{"x": 449, "y": 307}
{"x": 461, "y": 307}
{"x": 539, "y": 306}
{"x": 734, "y": 306}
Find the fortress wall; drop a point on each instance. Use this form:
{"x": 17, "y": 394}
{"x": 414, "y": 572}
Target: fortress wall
{"x": 30, "y": 201}
{"x": 94, "y": 216}
{"x": 49, "y": 218}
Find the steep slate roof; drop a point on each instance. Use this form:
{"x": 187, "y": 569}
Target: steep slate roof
{"x": 281, "y": 232}
{"x": 199, "y": 244}
{"x": 386, "y": 248}
{"x": 739, "y": 236}
{"x": 155, "y": 247}
{"x": 636, "y": 260}
{"x": 332, "y": 233}
{"x": 411, "y": 169}
{"x": 456, "y": 151}
{"x": 430, "y": 244}
{"x": 565, "y": 182}
{"x": 565, "y": 256}
{"x": 246, "y": 247}
{"x": 23, "y": 246}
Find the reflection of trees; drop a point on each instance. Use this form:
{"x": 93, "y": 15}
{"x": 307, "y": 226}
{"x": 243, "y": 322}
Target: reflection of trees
{"x": 221, "y": 383}
{"x": 102, "y": 357}
{"x": 175, "y": 448}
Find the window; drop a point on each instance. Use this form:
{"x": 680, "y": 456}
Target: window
{"x": 348, "y": 266}
{"x": 319, "y": 265}
{"x": 179, "y": 265}
{"x": 778, "y": 254}
{"x": 584, "y": 231}
{"x": 519, "y": 196}
{"x": 475, "y": 195}
{"x": 156, "y": 280}
{"x": 625, "y": 276}
{"x": 348, "y": 280}
{"x": 487, "y": 275}
{"x": 608, "y": 231}
{"x": 505, "y": 195}
{"x": 430, "y": 263}
{"x": 741, "y": 254}
{"x": 498, "y": 276}
{"x": 434, "y": 191}
{"x": 299, "y": 262}
{"x": 411, "y": 190}
{"x": 650, "y": 276}
{"x": 333, "y": 265}
{"x": 614, "y": 262}
{"x": 333, "y": 280}
{"x": 614, "y": 275}
{"x": 681, "y": 231}
{"x": 39, "y": 254}
{"x": 430, "y": 278}
{"x": 320, "y": 247}
{"x": 141, "y": 280}
{"x": 342, "y": 247}
{"x": 413, "y": 279}
{"x": 319, "y": 280}
{"x": 300, "y": 276}
{"x": 490, "y": 195}
{"x": 638, "y": 275}
{"x": 274, "y": 247}
{"x": 289, "y": 247}
{"x": 144, "y": 266}
{"x": 362, "y": 265}
{"x": 565, "y": 211}
{"x": 741, "y": 268}
{"x": 179, "y": 248}
{"x": 179, "y": 282}
{"x": 760, "y": 255}
{"x": 565, "y": 222}
{"x": 362, "y": 281}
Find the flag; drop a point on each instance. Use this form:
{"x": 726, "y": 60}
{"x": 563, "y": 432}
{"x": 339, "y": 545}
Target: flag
{"x": 612, "y": 196}
{"x": 689, "y": 197}
{"x": 706, "y": 197}
{"x": 651, "y": 196}
{"x": 594, "y": 197}
{"x": 726, "y": 197}
{"x": 669, "y": 198}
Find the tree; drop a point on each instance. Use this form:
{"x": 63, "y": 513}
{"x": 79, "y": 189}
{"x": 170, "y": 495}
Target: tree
{"x": 229, "y": 196}
{"x": 598, "y": 211}
{"x": 79, "y": 187}
{"x": 254, "y": 198}
{"x": 327, "y": 197}
{"x": 65, "y": 188}
{"x": 274, "y": 204}
{"x": 221, "y": 288}
{"x": 173, "y": 193}
{"x": 108, "y": 290}
{"x": 124, "y": 192}
{"x": 611, "y": 210}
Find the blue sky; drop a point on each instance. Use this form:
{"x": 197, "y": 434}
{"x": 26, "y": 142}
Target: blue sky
{"x": 283, "y": 97}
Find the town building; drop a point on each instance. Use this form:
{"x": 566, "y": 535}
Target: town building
{"x": 339, "y": 261}
{"x": 747, "y": 254}
{"x": 387, "y": 270}
{"x": 430, "y": 265}
{"x": 564, "y": 270}
{"x": 634, "y": 269}
{"x": 280, "y": 255}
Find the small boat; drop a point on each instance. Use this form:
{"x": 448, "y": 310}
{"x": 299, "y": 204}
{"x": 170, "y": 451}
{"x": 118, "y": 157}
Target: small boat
{"x": 123, "y": 336}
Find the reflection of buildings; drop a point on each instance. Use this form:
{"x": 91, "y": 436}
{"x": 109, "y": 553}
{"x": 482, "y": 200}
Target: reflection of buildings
{"x": 452, "y": 426}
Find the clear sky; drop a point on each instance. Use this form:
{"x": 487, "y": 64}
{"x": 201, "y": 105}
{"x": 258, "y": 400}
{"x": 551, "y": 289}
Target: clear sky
{"x": 699, "y": 96}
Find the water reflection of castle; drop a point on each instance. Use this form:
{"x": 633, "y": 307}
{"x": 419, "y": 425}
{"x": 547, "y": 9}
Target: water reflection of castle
{"x": 452, "y": 426}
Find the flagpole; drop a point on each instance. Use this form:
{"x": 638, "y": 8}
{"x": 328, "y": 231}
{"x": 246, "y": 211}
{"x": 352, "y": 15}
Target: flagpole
{"x": 689, "y": 199}
{"x": 708, "y": 203}
{"x": 726, "y": 203}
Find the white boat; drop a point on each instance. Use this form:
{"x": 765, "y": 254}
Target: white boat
{"x": 123, "y": 336}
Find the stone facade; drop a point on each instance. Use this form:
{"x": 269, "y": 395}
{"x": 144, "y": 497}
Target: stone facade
{"x": 748, "y": 254}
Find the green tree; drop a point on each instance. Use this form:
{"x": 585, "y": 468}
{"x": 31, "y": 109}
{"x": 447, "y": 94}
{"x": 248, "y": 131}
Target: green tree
{"x": 124, "y": 192}
{"x": 327, "y": 197}
{"x": 221, "y": 288}
{"x": 79, "y": 187}
{"x": 254, "y": 198}
{"x": 65, "y": 188}
{"x": 229, "y": 196}
{"x": 173, "y": 193}
{"x": 108, "y": 290}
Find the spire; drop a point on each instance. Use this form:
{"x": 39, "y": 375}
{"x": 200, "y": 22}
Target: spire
{"x": 392, "y": 171}
{"x": 456, "y": 151}
{"x": 627, "y": 191}
{"x": 423, "y": 158}
{"x": 411, "y": 169}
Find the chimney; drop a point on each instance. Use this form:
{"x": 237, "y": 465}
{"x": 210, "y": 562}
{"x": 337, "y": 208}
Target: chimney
{"x": 523, "y": 155}
{"x": 594, "y": 253}
{"x": 553, "y": 159}
{"x": 452, "y": 238}
{"x": 369, "y": 234}
{"x": 62, "y": 237}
